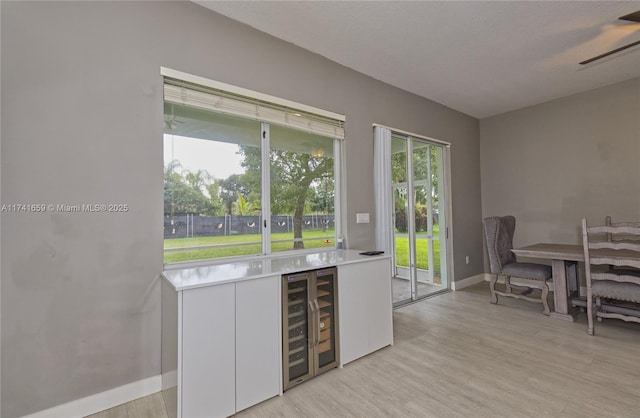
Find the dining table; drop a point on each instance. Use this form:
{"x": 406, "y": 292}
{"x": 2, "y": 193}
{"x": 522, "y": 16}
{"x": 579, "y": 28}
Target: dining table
{"x": 564, "y": 264}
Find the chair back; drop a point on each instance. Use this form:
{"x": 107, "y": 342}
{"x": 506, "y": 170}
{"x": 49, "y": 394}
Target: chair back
{"x": 499, "y": 232}
{"x": 621, "y": 236}
{"x": 611, "y": 245}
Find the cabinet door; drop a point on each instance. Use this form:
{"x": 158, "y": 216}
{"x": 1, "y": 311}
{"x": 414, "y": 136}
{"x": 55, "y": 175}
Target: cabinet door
{"x": 257, "y": 341}
{"x": 352, "y": 312}
{"x": 380, "y": 304}
{"x": 366, "y": 323}
{"x": 208, "y": 352}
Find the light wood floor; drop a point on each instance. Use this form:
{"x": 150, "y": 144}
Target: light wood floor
{"x": 401, "y": 290}
{"x": 455, "y": 355}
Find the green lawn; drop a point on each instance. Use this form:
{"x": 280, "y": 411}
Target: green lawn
{"x": 422, "y": 255}
{"x": 253, "y": 247}
{"x": 198, "y": 241}
{"x": 402, "y": 254}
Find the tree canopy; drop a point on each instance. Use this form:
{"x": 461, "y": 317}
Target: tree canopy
{"x": 298, "y": 180}
{"x": 300, "y": 183}
{"x": 424, "y": 157}
{"x": 187, "y": 192}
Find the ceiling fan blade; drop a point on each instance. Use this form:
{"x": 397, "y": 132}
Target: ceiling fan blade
{"x": 613, "y": 51}
{"x": 632, "y": 17}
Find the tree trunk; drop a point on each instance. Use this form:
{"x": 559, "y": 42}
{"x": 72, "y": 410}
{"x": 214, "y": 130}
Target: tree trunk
{"x": 297, "y": 226}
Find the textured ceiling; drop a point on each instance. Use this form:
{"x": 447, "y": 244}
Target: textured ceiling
{"x": 481, "y": 58}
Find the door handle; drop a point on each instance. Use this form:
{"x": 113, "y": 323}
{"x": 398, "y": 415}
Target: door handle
{"x": 317, "y": 324}
{"x": 311, "y": 322}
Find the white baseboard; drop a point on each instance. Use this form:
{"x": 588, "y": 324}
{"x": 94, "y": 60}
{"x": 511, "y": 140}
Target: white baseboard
{"x": 469, "y": 281}
{"x": 169, "y": 379}
{"x": 104, "y": 400}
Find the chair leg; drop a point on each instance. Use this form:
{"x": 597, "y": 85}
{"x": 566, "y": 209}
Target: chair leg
{"x": 511, "y": 288}
{"x": 545, "y": 299}
{"x": 598, "y": 305}
{"x": 507, "y": 284}
{"x": 589, "y": 312}
{"x": 492, "y": 288}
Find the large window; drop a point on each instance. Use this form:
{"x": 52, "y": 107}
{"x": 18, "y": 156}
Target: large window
{"x": 243, "y": 177}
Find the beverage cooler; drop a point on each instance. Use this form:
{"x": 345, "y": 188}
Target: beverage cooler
{"x": 309, "y": 325}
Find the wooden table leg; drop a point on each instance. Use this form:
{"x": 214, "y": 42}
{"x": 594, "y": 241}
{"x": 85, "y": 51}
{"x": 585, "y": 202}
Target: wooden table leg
{"x": 561, "y": 296}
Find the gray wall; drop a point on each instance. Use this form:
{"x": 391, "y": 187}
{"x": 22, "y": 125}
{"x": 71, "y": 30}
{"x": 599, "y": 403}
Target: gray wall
{"x": 82, "y": 123}
{"x": 552, "y": 164}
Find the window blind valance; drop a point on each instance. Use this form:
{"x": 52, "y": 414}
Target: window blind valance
{"x": 200, "y": 97}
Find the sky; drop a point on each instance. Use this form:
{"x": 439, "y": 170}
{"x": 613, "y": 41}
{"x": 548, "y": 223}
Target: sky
{"x": 218, "y": 158}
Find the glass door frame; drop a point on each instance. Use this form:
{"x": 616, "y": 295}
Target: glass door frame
{"x": 385, "y": 225}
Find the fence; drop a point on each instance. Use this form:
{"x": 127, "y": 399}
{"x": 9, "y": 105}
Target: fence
{"x": 206, "y": 226}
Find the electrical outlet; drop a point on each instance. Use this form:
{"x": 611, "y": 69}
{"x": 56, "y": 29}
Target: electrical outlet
{"x": 362, "y": 218}
{"x": 466, "y": 259}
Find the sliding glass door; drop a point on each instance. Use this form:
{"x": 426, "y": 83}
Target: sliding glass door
{"x": 418, "y": 211}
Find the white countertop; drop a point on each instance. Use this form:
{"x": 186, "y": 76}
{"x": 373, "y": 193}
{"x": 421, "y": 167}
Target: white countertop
{"x": 193, "y": 277}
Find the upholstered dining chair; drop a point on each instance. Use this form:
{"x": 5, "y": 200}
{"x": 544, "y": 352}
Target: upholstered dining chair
{"x": 615, "y": 287}
{"x": 499, "y": 232}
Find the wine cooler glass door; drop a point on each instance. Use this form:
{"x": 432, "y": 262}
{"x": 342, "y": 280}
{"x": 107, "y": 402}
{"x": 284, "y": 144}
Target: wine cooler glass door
{"x": 326, "y": 320}
{"x": 296, "y": 329}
